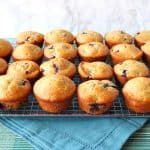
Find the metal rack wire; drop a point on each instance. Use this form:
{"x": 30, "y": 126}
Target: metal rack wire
{"x": 33, "y": 109}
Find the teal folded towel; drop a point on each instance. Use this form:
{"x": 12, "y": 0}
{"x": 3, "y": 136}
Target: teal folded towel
{"x": 78, "y": 133}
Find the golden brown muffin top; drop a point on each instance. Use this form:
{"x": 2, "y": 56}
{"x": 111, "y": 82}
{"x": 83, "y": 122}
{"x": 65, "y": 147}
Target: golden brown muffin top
{"x": 27, "y": 51}
{"x": 24, "y": 69}
{"x": 143, "y": 36}
{"x": 118, "y": 37}
{"x": 146, "y": 48}
{"x": 126, "y": 51}
{"x": 59, "y": 36}
{"x": 95, "y": 70}
{"x": 60, "y": 50}
{"x": 58, "y": 66}
{"x": 59, "y": 88}
{"x": 97, "y": 91}
{"x": 5, "y": 48}
{"x": 131, "y": 68}
{"x": 12, "y": 89}
{"x": 29, "y": 37}
{"x": 93, "y": 49}
{"x": 87, "y": 36}
{"x": 3, "y": 65}
{"x": 138, "y": 88}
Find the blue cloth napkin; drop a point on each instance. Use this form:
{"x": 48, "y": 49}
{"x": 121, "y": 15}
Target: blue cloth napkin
{"x": 78, "y": 133}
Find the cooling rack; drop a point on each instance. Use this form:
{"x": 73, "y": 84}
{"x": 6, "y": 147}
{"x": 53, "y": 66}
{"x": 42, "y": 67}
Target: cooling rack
{"x": 118, "y": 108}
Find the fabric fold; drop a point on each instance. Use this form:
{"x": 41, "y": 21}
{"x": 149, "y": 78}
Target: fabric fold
{"x": 74, "y": 133}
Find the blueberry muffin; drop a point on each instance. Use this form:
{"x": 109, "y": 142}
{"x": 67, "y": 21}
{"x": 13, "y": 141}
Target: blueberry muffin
{"x": 27, "y": 51}
{"x": 58, "y": 36}
{"x": 58, "y": 66}
{"x": 146, "y": 51}
{"x": 14, "y": 92}
{"x": 93, "y": 51}
{"x": 117, "y": 37}
{"x": 142, "y": 37}
{"x": 136, "y": 94}
{"x": 95, "y": 70}
{"x": 24, "y": 69}
{"x": 96, "y": 97}
{"x": 30, "y": 37}
{"x": 60, "y": 50}
{"x": 122, "y": 52}
{"x": 87, "y": 36}
{"x": 5, "y": 49}
{"x": 130, "y": 69}
{"x": 60, "y": 92}
{"x": 3, "y": 66}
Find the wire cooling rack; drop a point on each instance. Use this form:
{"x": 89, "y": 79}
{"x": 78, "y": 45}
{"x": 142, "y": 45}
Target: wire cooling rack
{"x": 118, "y": 108}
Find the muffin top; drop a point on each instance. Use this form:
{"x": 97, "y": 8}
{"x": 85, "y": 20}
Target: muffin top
{"x": 60, "y": 50}
{"x": 138, "y": 88}
{"x": 58, "y": 66}
{"x": 27, "y": 51}
{"x": 95, "y": 70}
{"x": 146, "y": 48}
{"x": 59, "y": 36}
{"x": 125, "y": 51}
{"x": 143, "y": 37}
{"x": 97, "y": 91}
{"x": 59, "y": 88}
{"x": 5, "y": 48}
{"x": 12, "y": 89}
{"x": 24, "y": 69}
{"x": 87, "y": 36}
{"x": 131, "y": 68}
{"x": 93, "y": 49}
{"x": 3, "y": 66}
{"x": 30, "y": 37}
{"x": 117, "y": 37}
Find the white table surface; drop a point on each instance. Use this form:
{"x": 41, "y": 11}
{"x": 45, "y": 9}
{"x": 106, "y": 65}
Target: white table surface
{"x": 74, "y": 15}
